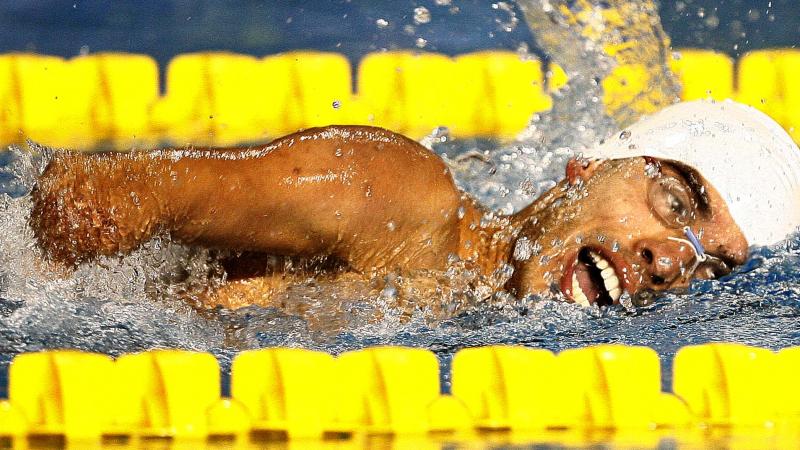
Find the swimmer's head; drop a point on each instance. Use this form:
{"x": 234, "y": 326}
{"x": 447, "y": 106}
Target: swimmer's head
{"x": 742, "y": 152}
{"x": 624, "y": 223}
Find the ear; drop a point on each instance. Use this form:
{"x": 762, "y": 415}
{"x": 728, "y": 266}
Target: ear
{"x": 581, "y": 169}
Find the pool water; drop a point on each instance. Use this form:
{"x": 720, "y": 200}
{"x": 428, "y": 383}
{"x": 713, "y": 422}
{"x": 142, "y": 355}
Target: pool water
{"x": 129, "y": 304}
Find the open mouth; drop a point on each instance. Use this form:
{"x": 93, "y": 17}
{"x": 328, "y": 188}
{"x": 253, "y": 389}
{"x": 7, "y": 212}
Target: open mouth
{"x": 592, "y": 279}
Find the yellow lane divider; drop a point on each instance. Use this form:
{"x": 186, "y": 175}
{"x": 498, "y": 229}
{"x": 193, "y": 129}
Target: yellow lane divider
{"x": 112, "y": 100}
{"x": 704, "y": 74}
{"x": 119, "y": 91}
{"x": 273, "y": 385}
{"x": 294, "y": 394}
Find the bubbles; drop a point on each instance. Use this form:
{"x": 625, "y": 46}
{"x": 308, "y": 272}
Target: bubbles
{"x": 509, "y": 23}
{"x": 421, "y": 42}
{"x": 651, "y": 170}
{"x": 382, "y": 23}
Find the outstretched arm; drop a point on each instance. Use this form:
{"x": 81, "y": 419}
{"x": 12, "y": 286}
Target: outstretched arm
{"x": 373, "y": 198}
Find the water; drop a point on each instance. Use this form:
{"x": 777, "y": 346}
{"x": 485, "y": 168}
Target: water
{"x": 129, "y": 304}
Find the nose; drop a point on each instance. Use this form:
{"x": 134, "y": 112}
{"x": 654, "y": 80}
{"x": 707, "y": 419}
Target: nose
{"x": 664, "y": 261}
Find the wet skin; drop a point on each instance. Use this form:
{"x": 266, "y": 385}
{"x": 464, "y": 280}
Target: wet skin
{"x": 631, "y": 213}
{"x": 376, "y": 202}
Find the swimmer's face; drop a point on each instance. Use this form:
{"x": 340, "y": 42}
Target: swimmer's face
{"x": 616, "y": 226}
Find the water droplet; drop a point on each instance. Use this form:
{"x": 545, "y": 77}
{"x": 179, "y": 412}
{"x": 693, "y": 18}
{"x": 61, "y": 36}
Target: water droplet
{"x": 336, "y": 104}
{"x": 421, "y": 15}
{"x": 510, "y": 23}
{"x": 391, "y": 226}
{"x": 421, "y": 42}
{"x": 443, "y": 2}
{"x": 487, "y": 219}
{"x": 651, "y": 170}
{"x": 626, "y": 301}
{"x": 712, "y": 21}
{"x": 523, "y": 249}
{"x": 338, "y": 152}
{"x": 452, "y": 258}
{"x": 382, "y": 23}
{"x": 625, "y": 135}
{"x": 461, "y": 212}
{"x": 615, "y": 247}
{"x": 389, "y": 291}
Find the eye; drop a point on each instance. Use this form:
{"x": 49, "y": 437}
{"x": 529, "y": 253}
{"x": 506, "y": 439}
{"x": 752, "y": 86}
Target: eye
{"x": 671, "y": 201}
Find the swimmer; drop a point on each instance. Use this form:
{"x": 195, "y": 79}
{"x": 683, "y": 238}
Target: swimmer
{"x": 679, "y": 195}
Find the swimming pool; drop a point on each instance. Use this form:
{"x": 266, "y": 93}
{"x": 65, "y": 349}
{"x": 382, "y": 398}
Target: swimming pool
{"x": 128, "y": 305}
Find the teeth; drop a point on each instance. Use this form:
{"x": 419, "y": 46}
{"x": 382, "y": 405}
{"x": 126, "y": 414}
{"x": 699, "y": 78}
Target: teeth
{"x": 577, "y": 293}
{"x": 610, "y": 279}
{"x": 611, "y": 283}
{"x": 599, "y": 261}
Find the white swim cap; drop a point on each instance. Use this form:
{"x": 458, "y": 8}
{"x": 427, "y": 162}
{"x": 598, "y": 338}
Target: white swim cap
{"x": 742, "y": 152}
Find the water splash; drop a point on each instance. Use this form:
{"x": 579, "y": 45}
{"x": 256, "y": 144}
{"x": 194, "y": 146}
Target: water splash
{"x": 511, "y": 177}
{"x": 128, "y": 304}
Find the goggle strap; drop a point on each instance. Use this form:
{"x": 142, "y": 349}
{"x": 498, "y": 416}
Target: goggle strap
{"x": 696, "y": 245}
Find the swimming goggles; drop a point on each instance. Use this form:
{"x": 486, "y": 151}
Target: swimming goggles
{"x": 697, "y": 247}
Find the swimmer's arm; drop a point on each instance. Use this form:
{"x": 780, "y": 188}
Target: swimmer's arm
{"x": 374, "y": 203}
{"x": 396, "y": 207}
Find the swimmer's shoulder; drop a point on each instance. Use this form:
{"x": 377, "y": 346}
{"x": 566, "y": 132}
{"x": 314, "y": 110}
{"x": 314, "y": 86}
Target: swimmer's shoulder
{"x": 345, "y": 133}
